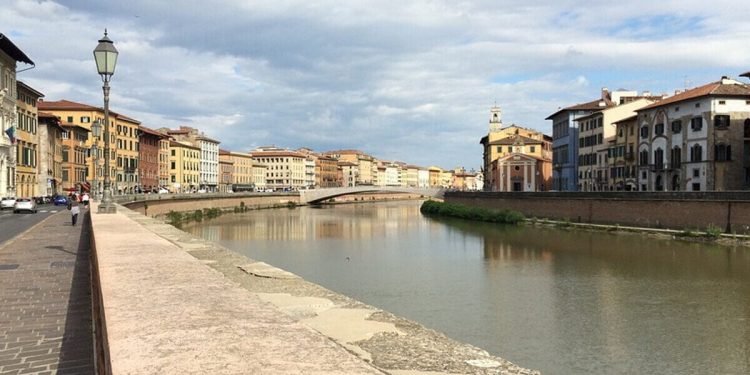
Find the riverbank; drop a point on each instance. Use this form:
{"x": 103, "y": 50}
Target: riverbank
{"x": 389, "y": 343}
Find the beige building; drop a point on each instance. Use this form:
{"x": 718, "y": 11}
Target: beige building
{"x": 209, "y": 166}
{"x": 226, "y": 169}
{"x": 242, "y": 171}
{"x": 184, "y": 167}
{"x": 260, "y": 173}
{"x": 595, "y": 131}
{"x": 366, "y": 164}
{"x": 50, "y": 154}
{"x": 349, "y": 173}
{"x": 285, "y": 168}
{"x": 27, "y": 142}
{"x": 621, "y": 156}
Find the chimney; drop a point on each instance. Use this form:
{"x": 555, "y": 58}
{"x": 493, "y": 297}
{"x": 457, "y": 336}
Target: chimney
{"x": 605, "y": 93}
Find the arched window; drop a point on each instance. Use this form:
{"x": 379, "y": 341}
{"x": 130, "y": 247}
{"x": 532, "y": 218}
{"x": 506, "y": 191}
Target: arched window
{"x": 659, "y": 158}
{"x": 696, "y": 153}
{"x": 643, "y": 158}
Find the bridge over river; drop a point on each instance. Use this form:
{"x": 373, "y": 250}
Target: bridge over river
{"x": 320, "y": 195}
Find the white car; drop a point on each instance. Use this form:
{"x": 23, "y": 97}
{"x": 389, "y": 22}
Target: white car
{"x": 163, "y": 191}
{"x": 24, "y": 204}
{"x": 7, "y": 202}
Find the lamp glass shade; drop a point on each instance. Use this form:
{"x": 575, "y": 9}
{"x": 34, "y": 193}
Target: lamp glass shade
{"x": 105, "y": 55}
{"x": 96, "y": 129}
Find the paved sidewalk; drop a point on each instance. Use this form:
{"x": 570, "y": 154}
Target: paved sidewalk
{"x": 45, "y": 300}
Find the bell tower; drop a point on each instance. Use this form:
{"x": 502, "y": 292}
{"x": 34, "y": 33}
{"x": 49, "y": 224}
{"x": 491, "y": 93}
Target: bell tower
{"x": 496, "y": 122}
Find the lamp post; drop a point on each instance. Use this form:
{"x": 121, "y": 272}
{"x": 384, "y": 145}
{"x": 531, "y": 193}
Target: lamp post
{"x": 105, "y": 55}
{"x": 96, "y": 130}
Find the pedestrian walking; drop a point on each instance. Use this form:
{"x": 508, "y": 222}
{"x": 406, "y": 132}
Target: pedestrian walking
{"x": 85, "y": 200}
{"x": 74, "y": 211}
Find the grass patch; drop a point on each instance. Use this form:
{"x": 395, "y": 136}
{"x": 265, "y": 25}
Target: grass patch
{"x": 503, "y": 216}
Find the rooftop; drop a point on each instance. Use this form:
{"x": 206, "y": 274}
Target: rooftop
{"x": 724, "y": 87}
{"x": 13, "y": 51}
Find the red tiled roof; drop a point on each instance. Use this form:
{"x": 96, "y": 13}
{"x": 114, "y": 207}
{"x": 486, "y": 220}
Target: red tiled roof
{"x": 67, "y": 105}
{"x": 711, "y": 89}
{"x": 152, "y": 132}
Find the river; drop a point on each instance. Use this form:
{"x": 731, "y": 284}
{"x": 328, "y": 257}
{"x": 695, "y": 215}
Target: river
{"x": 555, "y": 300}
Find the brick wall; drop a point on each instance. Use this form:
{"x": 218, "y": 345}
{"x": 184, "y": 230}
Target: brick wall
{"x": 677, "y": 210}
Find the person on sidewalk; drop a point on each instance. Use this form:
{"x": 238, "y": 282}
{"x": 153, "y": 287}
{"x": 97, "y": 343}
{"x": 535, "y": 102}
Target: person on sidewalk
{"x": 74, "y": 211}
{"x": 85, "y": 200}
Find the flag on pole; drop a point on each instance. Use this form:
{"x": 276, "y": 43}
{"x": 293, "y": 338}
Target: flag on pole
{"x": 11, "y": 132}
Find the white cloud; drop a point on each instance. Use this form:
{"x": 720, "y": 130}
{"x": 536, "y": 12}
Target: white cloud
{"x": 403, "y": 80}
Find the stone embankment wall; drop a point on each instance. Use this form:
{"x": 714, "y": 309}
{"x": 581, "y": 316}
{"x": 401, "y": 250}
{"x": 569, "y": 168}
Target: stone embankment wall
{"x": 729, "y": 211}
{"x": 157, "y": 205}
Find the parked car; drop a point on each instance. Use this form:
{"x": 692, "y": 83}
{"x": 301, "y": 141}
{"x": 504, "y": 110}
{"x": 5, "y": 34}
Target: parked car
{"x": 24, "y": 204}
{"x": 7, "y": 202}
{"x": 163, "y": 191}
{"x": 60, "y": 200}
{"x": 202, "y": 191}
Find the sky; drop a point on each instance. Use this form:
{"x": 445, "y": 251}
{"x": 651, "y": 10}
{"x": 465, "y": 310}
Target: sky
{"x": 411, "y": 81}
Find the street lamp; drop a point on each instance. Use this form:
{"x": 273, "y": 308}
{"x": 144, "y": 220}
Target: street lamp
{"x": 96, "y": 130}
{"x": 105, "y": 55}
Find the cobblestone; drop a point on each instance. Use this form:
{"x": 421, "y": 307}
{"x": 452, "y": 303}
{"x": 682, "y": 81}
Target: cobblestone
{"x": 45, "y": 302}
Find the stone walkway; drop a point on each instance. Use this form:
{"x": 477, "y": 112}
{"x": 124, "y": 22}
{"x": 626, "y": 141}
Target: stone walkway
{"x": 45, "y": 300}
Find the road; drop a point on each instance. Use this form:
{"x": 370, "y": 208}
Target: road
{"x": 12, "y": 224}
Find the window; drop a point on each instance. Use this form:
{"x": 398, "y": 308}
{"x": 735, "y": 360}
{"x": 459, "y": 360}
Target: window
{"x": 173, "y": 152}
{"x": 65, "y": 176}
{"x": 747, "y": 128}
{"x": 696, "y": 153}
{"x": 722, "y": 152}
{"x": 696, "y": 186}
{"x": 697, "y": 105}
{"x": 644, "y": 132}
{"x": 85, "y": 119}
{"x": 696, "y": 124}
{"x": 696, "y": 173}
{"x": 676, "y": 157}
{"x": 721, "y": 121}
{"x": 70, "y": 119}
{"x": 643, "y": 158}
{"x": 173, "y": 166}
{"x": 499, "y": 148}
{"x": 659, "y": 158}
{"x": 722, "y": 102}
{"x": 659, "y": 129}
{"x": 676, "y": 126}
{"x": 533, "y": 148}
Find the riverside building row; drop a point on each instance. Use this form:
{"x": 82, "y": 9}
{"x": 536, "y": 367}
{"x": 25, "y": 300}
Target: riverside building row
{"x": 695, "y": 140}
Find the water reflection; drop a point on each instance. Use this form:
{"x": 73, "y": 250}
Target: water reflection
{"x": 562, "y": 301}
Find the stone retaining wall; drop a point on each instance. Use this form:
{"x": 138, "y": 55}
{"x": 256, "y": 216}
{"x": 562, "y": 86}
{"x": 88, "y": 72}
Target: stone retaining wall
{"x": 729, "y": 211}
{"x": 157, "y": 205}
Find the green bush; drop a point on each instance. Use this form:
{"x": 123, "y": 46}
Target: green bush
{"x": 712, "y": 231}
{"x": 291, "y": 205}
{"x": 175, "y": 218}
{"x": 504, "y": 216}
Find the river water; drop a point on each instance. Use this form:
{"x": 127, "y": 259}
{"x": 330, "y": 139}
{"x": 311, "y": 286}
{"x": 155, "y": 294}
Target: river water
{"x": 560, "y": 301}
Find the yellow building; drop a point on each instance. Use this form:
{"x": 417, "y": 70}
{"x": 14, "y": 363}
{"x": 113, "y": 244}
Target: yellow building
{"x": 184, "y": 167}
{"x": 27, "y": 143}
{"x": 516, "y": 158}
{"x": 242, "y": 173}
{"x": 436, "y": 174}
{"x": 123, "y": 142}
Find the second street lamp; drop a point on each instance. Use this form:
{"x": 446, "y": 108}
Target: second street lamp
{"x": 105, "y": 55}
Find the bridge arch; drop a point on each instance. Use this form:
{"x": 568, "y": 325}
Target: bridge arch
{"x": 320, "y": 195}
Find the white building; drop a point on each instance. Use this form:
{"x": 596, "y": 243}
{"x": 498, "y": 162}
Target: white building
{"x": 309, "y": 172}
{"x": 392, "y": 175}
{"x": 423, "y": 178}
{"x": 209, "y": 178}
